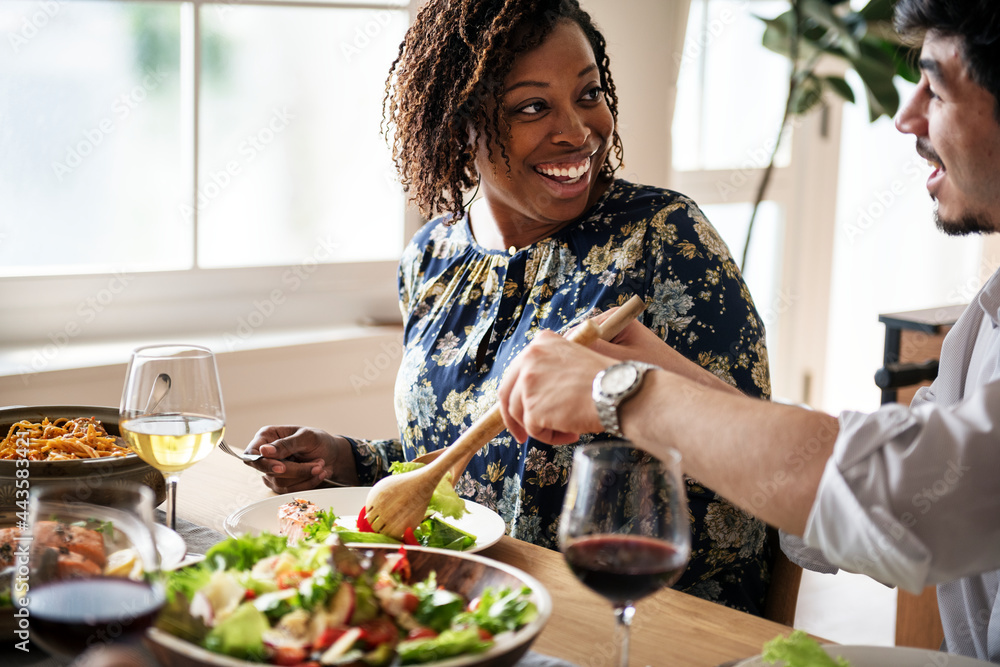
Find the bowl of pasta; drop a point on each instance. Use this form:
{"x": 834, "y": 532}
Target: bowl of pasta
{"x": 76, "y": 444}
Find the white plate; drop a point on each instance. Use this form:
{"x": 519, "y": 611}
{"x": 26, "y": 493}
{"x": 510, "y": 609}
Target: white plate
{"x": 885, "y": 656}
{"x": 262, "y": 516}
{"x": 170, "y": 545}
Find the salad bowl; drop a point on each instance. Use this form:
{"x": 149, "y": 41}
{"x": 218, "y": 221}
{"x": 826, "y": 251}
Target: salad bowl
{"x": 460, "y": 572}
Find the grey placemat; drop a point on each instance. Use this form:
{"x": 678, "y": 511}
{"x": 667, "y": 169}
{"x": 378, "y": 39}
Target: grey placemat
{"x": 197, "y": 538}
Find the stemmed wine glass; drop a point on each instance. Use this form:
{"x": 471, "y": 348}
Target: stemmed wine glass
{"x": 624, "y": 529}
{"x": 93, "y": 576}
{"x": 171, "y": 412}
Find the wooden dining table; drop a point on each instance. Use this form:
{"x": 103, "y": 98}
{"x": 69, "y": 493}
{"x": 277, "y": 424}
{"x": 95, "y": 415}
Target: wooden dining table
{"x": 670, "y": 628}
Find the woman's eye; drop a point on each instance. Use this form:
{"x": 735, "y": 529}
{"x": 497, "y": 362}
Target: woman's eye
{"x": 593, "y": 94}
{"x": 531, "y": 108}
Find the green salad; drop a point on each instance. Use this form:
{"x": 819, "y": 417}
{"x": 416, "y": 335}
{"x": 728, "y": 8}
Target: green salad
{"x": 301, "y": 520}
{"x": 799, "y": 650}
{"x": 257, "y": 599}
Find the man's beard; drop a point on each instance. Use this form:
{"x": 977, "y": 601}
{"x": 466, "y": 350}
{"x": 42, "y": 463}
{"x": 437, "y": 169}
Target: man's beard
{"x": 968, "y": 223}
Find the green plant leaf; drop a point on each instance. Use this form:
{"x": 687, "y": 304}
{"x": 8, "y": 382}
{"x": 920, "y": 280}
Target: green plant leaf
{"x": 877, "y": 70}
{"x": 839, "y": 86}
{"x": 822, "y": 13}
{"x": 877, "y": 10}
{"x": 807, "y": 95}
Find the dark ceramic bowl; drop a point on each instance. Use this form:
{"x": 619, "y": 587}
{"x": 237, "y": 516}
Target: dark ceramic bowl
{"x": 88, "y": 476}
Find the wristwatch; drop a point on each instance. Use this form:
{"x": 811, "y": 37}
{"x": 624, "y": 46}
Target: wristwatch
{"x": 612, "y": 387}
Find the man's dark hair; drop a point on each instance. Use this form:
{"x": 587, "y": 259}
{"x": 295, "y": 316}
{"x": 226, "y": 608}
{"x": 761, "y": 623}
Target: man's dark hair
{"x": 976, "y": 22}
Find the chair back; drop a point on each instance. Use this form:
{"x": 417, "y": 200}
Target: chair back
{"x": 783, "y": 592}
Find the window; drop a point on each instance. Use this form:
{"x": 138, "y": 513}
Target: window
{"x": 730, "y": 97}
{"x": 179, "y": 166}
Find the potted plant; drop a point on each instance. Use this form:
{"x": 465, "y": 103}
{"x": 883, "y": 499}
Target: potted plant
{"x": 813, "y": 31}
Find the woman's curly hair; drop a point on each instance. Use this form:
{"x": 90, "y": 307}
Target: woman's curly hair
{"x": 443, "y": 85}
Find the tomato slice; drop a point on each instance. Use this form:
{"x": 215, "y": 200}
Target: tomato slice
{"x": 363, "y": 525}
{"x": 327, "y": 637}
{"x": 421, "y": 633}
{"x": 409, "y": 537}
{"x": 380, "y": 630}
{"x": 288, "y": 656}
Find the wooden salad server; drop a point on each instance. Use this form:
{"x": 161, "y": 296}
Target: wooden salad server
{"x": 399, "y": 502}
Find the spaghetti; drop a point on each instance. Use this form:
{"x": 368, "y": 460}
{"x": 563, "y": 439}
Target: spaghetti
{"x": 60, "y": 440}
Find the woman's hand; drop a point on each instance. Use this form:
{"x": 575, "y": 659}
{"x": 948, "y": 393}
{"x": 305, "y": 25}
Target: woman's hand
{"x": 296, "y": 458}
{"x": 637, "y": 343}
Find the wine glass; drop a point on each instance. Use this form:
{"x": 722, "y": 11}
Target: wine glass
{"x": 171, "y": 412}
{"x": 624, "y": 529}
{"x": 90, "y": 574}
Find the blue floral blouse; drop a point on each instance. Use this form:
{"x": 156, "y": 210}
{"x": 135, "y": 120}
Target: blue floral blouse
{"x": 468, "y": 311}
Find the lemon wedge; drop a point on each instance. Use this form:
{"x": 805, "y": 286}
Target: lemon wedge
{"x": 123, "y": 563}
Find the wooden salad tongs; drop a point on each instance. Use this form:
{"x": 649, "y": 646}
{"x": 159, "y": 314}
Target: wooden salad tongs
{"x": 399, "y": 502}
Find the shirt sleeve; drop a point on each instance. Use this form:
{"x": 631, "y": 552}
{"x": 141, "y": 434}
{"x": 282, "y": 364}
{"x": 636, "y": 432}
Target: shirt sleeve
{"x": 910, "y": 496}
{"x": 372, "y": 458}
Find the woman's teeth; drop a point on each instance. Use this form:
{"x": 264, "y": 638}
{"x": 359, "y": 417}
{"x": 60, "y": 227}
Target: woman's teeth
{"x": 564, "y": 174}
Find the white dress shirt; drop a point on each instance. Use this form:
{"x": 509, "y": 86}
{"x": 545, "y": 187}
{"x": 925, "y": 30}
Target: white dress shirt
{"x": 911, "y": 495}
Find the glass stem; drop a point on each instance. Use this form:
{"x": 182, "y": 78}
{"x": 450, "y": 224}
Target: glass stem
{"x": 623, "y": 620}
{"x": 171, "y": 500}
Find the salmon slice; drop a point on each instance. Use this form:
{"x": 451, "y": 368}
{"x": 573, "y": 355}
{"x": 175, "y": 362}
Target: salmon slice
{"x": 70, "y": 565}
{"x": 8, "y": 545}
{"x": 293, "y": 518}
{"x": 71, "y": 539}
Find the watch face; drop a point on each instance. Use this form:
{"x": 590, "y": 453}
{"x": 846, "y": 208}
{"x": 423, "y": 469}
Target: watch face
{"x": 618, "y": 379}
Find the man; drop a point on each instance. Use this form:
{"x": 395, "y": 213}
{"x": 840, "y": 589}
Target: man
{"x": 908, "y": 495}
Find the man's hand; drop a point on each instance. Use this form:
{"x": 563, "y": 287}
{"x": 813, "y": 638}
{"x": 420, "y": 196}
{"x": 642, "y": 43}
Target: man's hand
{"x": 546, "y": 391}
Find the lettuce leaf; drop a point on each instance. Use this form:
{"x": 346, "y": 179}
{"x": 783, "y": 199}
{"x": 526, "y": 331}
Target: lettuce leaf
{"x": 434, "y": 532}
{"x": 799, "y": 650}
{"x": 322, "y": 527}
{"x": 240, "y": 553}
{"x": 447, "y": 644}
{"x": 444, "y": 500}
{"x": 500, "y": 610}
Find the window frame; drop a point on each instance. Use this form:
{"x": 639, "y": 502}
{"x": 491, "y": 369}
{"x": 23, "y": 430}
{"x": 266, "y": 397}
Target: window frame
{"x": 228, "y": 306}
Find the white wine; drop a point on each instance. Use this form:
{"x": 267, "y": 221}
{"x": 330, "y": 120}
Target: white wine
{"x": 171, "y": 442}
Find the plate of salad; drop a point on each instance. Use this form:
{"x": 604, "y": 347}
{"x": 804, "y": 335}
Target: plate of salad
{"x": 800, "y": 650}
{"x": 254, "y": 599}
{"x": 453, "y": 523}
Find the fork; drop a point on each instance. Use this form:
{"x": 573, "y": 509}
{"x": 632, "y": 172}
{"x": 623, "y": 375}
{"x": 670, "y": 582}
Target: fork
{"x": 249, "y": 458}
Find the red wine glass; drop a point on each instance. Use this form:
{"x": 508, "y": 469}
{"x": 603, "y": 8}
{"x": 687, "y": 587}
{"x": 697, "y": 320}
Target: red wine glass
{"x": 624, "y": 529}
{"x": 91, "y": 574}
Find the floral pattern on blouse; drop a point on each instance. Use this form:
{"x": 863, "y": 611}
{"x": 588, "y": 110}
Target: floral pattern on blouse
{"x": 468, "y": 311}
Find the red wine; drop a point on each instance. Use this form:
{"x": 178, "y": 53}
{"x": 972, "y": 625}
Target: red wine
{"x": 69, "y": 616}
{"x": 624, "y": 568}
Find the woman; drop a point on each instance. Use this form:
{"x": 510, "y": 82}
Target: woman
{"x": 515, "y": 99}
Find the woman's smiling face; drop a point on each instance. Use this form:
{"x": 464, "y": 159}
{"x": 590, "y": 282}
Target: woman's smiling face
{"x": 560, "y": 133}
